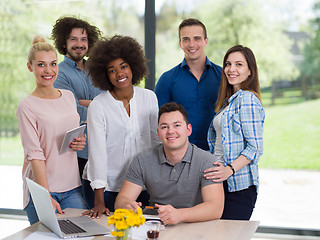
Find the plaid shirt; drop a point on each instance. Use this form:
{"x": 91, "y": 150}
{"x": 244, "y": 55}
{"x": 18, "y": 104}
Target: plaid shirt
{"x": 242, "y": 134}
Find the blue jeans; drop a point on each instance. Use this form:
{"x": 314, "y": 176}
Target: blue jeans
{"x": 109, "y": 197}
{"x": 69, "y": 199}
{"x": 239, "y": 205}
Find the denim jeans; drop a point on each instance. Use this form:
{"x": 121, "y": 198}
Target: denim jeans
{"x": 69, "y": 199}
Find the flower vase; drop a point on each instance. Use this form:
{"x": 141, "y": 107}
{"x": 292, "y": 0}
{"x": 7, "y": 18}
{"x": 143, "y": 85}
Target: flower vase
{"x": 126, "y": 235}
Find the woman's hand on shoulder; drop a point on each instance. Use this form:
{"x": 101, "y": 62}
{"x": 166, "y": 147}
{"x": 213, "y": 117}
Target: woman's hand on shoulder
{"x": 219, "y": 173}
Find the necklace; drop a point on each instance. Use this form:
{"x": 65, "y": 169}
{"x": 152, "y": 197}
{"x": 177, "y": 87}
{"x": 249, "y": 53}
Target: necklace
{"x": 120, "y": 100}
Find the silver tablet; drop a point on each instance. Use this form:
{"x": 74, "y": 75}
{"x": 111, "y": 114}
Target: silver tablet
{"x": 70, "y": 136}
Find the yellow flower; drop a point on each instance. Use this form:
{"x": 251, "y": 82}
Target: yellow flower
{"x": 124, "y": 219}
{"x": 130, "y": 221}
{"x": 120, "y": 234}
{"x": 139, "y": 211}
{"x": 120, "y": 225}
{"x": 111, "y": 221}
{"x": 121, "y": 211}
{"x": 137, "y": 221}
{"x": 118, "y": 216}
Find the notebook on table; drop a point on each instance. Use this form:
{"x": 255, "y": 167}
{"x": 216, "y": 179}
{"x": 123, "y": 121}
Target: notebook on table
{"x": 70, "y": 227}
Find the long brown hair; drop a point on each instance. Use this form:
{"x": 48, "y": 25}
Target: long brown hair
{"x": 251, "y": 84}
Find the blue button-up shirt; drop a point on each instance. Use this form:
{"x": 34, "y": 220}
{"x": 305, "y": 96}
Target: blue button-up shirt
{"x": 197, "y": 97}
{"x": 72, "y": 78}
{"x": 242, "y": 134}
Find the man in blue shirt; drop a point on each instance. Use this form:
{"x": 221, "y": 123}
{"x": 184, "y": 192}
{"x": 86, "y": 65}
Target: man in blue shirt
{"x": 73, "y": 38}
{"x": 194, "y": 83}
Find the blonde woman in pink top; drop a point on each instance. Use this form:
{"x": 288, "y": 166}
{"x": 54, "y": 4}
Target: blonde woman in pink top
{"x": 44, "y": 116}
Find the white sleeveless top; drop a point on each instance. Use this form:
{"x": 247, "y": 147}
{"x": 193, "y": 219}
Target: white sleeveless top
{"x": 218, "y": 150}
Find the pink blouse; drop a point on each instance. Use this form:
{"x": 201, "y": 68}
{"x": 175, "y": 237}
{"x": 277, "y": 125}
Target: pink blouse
{"x": 43, "y": 123}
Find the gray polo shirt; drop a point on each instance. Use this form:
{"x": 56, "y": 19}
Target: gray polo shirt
{"x": 178, "y": 185}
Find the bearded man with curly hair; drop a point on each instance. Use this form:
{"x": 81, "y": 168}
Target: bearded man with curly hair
{"x": 73, "y": 38}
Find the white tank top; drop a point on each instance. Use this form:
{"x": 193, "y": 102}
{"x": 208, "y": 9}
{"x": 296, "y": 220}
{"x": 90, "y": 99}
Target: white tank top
{"x": 218, "y": 150}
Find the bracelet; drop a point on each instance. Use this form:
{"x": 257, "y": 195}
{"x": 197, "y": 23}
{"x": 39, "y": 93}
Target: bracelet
{"x": 233, "y": 171}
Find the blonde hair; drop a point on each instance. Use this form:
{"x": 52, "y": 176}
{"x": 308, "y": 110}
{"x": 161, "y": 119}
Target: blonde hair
{"x": 39, "y": 43}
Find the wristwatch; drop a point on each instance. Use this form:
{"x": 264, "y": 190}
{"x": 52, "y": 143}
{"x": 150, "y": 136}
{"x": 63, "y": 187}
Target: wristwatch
{"x": 233, "y": 171}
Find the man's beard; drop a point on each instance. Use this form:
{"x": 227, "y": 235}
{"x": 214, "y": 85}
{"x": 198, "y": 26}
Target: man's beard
{"x": 76, "y": 57}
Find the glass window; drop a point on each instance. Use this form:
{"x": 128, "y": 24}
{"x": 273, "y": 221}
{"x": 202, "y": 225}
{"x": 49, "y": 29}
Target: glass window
{"x": 288, "y": 194}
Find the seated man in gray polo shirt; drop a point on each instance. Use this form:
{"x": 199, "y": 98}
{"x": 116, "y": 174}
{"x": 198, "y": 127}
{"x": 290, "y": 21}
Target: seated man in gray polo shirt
{"x": 173, "y": 174}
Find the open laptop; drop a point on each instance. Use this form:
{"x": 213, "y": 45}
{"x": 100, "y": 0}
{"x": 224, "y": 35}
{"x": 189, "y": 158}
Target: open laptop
{"x": 71, "y": 227}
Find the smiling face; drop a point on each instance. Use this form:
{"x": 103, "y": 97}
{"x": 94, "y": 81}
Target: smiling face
{"x": 192, "y": 42}
{"x": 119, "y": 73}
{"x": 236, "y": 70}
{"x": 173, "y": 131}
{"x": 77, "y": 44}
{"x": 44, "y": 67}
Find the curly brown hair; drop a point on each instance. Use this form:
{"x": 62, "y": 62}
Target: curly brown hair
{"x": 109, "y": 49}
{"x": 63, "y": 27}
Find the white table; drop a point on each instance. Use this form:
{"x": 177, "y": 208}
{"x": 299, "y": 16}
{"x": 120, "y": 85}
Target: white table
{"x": 215, "y": 230}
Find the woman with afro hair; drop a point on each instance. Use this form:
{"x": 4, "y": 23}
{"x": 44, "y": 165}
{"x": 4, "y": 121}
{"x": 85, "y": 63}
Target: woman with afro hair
{"x": 122, "y": 120}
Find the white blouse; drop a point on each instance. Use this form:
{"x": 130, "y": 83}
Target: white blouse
{"x": 114, "y": 137}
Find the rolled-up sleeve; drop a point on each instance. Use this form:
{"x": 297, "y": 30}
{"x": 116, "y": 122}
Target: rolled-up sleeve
{"x": 30, "y": 136}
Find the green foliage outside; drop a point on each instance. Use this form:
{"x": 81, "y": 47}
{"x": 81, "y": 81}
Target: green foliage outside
{"x": 289, "y": 96}
{"x": 291, "y": 136}
{"x": 11, "y": 151}
{"x": 13, "y": 74}
{"x": 310, "y": 67}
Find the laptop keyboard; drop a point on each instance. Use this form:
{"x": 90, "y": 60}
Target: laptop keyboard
{"x": 69, "y": 227}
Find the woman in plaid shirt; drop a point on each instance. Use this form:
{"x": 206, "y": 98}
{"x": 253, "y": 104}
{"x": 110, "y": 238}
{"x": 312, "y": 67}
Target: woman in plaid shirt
{"x": 235, "y": 135}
